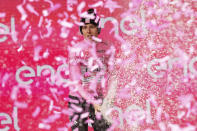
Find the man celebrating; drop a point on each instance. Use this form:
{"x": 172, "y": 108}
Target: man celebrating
{"x": 88, "y": 68}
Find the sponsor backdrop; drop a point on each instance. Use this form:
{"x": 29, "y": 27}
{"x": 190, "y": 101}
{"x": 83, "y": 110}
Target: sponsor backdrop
{"x": 154, "y": 57}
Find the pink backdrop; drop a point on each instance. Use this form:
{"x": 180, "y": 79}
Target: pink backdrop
{"x": 41, "y": 31}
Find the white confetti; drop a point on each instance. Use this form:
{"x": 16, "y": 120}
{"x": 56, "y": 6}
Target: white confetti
{"x": 45, "y": 13}
{"x": 52, "y": 118}
{"x": 45, "y": 98}
{"x": 80, "y": 7}
{"x": 22, "y": 11}
{"x": 36, "y": 112}
{"x": 25, "y": 25}
{"x": 37, "y": 51}
{"x": 51, "y": 105}
{"x": 99, "y": 3}
{"x": 27, "y": 34}
{"x": 76, "y": 108}
{"x": 64, "y": 32}
{"x": 46, "y": 54}
{"x": 44, "y": 126}
{"x": 64, "y": 23}
{"x": 32, "y": 10}
{"x": 55, "y": 7}
{"x": 97, "y": 39}
{"x": 20, "y": 48}
{"x": 111, "y": 5}
{"x": 2, "y": 15}
{"x": 20, "y": 104}
{"x": 40, "y": 21}
{"x": 84, "y": 115}
{"x": 4, "y": 79}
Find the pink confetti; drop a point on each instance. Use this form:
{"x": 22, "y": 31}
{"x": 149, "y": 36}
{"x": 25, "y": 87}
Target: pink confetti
{"x": 158, "y": 115}
{"x": 25, "y": 25}
{"x": 162, "y": 126}
{"x": 24, "y": 2}
{"x": 84, "y": 115}
{"x": 37, "y": 51}
{"x": 14, "y": 92}
{"x": 55, "y": 7}
{"x": 51, "y": 118}
{"x": 4, "y": 79}
{"x": 40, "y": 21}
{"x": 44, "y": 97}
{"x": 64, "y": 23}
{"x": 62, "y": 129}
{"x": 49, "y": 29}
{"x": 45, "y": 12}
{"x": 32, "y": 10}
{"x": 27, "y": 34}
{"x": 20, "y": 104}
{"x": 76, "y": 108}
{"x": 80, "y": 7}
{"x": 96, "y": 39}
{"x": 36, "y": 112}
{"x": 70, "y": 4}
{"x": 111, "y": 5}
{"x": 89, "y": 121}
{"x": 74, "y": 101}
{"x": 46, "y": 54}
{"x": 75, "y": 118}
{"x": 51, "y": 105}
{"x": 44, "y": 126}
{"x": 22, "y": 11}
{"x": 67, "y": 111}
{"x": 20, "y": 48}
{"x": 99, "y": 3}
{"x": 2, "y": 15}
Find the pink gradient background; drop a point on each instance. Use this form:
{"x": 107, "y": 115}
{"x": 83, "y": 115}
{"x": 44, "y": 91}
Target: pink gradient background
{"x": 173, "y": 34}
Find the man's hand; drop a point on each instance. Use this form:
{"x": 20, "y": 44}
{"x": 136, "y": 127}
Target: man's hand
{"x": 97, "y": 108}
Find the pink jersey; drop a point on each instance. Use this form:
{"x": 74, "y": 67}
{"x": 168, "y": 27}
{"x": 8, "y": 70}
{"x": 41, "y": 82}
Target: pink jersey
{"x": 91, "y": 65}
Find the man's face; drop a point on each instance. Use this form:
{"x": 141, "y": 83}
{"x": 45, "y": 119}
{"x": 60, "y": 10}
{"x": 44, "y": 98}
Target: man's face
{"x": 89, "y": 30}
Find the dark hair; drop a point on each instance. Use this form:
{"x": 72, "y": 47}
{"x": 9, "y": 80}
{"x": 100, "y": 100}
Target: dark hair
{"x": 92, "y": 21}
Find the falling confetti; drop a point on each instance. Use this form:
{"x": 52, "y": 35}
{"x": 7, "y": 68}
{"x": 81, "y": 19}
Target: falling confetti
{"x": 148, "y": 82}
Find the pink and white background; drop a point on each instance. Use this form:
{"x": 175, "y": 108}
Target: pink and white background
{"x": 155, "y": 61}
